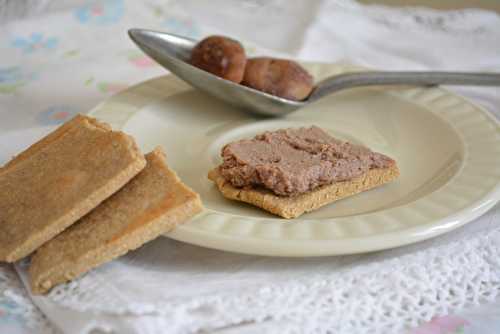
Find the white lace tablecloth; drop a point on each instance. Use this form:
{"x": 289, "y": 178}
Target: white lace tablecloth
{"x": 59, "y": 64}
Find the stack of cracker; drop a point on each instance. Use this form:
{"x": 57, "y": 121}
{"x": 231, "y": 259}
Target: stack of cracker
{"x": 82, "y": 196}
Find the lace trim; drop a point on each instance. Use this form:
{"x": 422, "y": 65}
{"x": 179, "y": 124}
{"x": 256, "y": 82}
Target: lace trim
{"x": 388, "y": 296}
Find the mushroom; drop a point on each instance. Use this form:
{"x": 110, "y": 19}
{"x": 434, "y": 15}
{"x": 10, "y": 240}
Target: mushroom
{"x": 280, "y": 77}
{"x": 221, "y": 56}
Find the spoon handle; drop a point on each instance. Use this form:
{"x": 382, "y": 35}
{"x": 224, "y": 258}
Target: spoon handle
{"x": 349, "y": 80}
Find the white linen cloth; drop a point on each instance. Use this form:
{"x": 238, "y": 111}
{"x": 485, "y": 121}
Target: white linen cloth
{"x": 60, "y": 64}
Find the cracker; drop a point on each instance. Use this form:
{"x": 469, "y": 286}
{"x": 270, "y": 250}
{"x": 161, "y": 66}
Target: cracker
{"x": 78, "y": 120}
{"x": 58, "y": 180}
{"x": 152, "y": 203}
{"x": 293, "y": 207}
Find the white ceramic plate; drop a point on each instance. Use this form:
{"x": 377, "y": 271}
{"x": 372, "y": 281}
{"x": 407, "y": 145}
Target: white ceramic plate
{"x": 448, "y": 151}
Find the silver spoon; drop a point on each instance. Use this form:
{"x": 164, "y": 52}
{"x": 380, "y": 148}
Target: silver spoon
{"x": 173, "y": 52}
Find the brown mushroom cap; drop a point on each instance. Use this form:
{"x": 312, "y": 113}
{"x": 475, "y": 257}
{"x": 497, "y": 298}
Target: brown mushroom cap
{"x": 221, "y": 56}
{"x": 279, "y": 77}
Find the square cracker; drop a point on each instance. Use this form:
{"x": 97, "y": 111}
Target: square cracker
{"x": 59, "y": 179}
{"x": 293, "y": 207}
{"x": 152, "y": 203}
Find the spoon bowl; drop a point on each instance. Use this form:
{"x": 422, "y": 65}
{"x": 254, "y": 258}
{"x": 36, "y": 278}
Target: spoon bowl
{"x": 173, "y": 53}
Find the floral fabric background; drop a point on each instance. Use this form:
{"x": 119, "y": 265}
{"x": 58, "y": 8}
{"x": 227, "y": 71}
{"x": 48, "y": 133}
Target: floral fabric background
{"x": 63, "y": 63}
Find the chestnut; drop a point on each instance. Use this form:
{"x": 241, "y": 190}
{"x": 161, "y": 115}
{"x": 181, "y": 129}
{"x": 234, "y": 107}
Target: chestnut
{"x": 279, "y": 77}
{"x": 221, "y": 56}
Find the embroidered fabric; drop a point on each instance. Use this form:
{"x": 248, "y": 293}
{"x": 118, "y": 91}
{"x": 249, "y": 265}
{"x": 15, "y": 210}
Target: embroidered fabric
{"x": 187, "y": 289}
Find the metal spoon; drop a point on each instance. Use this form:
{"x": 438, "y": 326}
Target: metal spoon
{"x": 173, "y": 52}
